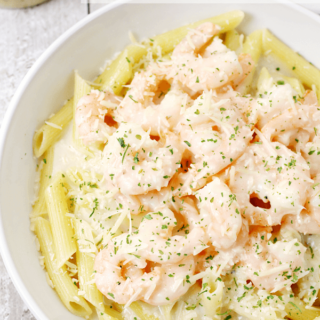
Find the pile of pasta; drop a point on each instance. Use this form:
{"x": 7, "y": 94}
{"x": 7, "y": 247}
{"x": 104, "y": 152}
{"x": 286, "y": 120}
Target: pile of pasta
{"x": 207, "y": 208}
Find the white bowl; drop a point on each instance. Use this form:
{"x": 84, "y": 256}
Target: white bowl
{"x": 49, "y": 82}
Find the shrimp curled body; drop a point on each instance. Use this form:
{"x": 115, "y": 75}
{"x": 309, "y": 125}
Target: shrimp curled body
{"x": 195, "y": 66}
{"x": 92, "y": 114}
{"x": 136, "y": 164}
{"x": 270, "y": 181}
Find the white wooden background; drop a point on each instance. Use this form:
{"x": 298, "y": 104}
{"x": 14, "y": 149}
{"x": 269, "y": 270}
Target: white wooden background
{"x": 24, "y": 35}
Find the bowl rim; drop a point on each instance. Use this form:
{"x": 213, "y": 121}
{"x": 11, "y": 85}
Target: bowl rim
{"x": 4, "y": 250}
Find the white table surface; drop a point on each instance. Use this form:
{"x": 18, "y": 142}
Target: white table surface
{"x": 25, "y": 34}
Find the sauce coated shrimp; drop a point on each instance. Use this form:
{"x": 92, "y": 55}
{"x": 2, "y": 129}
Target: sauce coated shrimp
{"x": 308, "y": 222}
{"x": 173, "y": 283}
{"x": 270, "y": 181}
{"x": 156, "y": 199}
{"x": 270, "y": 104}
{"x": 200, "y": 68}
{"x": 155, "y": 235}
{"x": 303, "y": 223}
{"x": 216, "y": 134}
{"x": 272, "y": 264}
{"x": 122, "y": 267}
{"x": 137, "y": 164}
{"x": 219, "y": 213}
{"x": 153, "y": 102}
{"x": 119, "y": 281}
{"x": 123, "y": 278}
{"x": 298, "y": 129}
{"x": 95, "y": 116}
{"x": 184, "y": 208}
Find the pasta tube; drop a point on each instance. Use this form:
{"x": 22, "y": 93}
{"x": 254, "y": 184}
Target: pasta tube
{"x": 166, "y": 311}
{"x": 212, "y": 295}
{"x": 61, "y": 281}
{"x": 304, "y": 71}
{"x": 40, "y": 207}
{"x": 233, "y": 40}
{"x": 296, "y": 310}
{"x": 167, "y": 41}
{"x": 137, "y": 308}
{"x": 81, "y": 88}
{"x": 85, "y": 263}
{"x": 51, "y": 130}
{"x": 265, "y": 80}
{"x": 252, "y": 46}
{"x": 61, "y": 225}
{"x": 109, "y": 314}
{"x": 119, "y": 72}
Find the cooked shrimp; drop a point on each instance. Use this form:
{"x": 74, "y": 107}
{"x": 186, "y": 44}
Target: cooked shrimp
{"x": 157, "y": 242}
{"x": 216, "y": 134}
{"x": 95, "y": 116}
{"x": 219, "y": 213}
{"x": 184, "y": 208}
{"x": 216, "y": 211}
{"x": 303, "y": 223}
{"x": 173, "y": 282}
{"x": 153, "y": 102}
{"x": 246, "y": 62}
{"x": 200, "y": 68}
{"x": 187, "y": 212}
{"x": 270, "y": 264}
{"x": 311, "y": 153}
{"x": 124, "y": 278}
{"x": 120, "y": 280}
{"x": 309, "y": 98}
{"x": 152, "y": 242}
{"x": 156, "y": 199}
{"x": 228, "y": 258}
{"x": 313, "y": 203}
{"x": 298, "y": 128}
{"x": 137, "y": 164}
{"x": 308, "y": 222}
{"x": 270, "y": 181}
{"x": 270, "y": 104}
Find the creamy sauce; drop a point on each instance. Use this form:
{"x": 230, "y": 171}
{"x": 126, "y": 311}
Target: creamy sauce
{"x": 66, "y": 155}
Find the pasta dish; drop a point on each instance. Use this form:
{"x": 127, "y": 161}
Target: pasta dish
{"x": 184, "y": 181}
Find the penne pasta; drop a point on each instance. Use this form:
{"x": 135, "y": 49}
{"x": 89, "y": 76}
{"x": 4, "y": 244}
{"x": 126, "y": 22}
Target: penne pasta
{"x": 167, "y": 41}
{"x": 252, "y": 46}
{"x": 265, "y": 80}
{"x": 211, "y": 299}
{"x": 85, "y": 263}
{"x": 61, "y": 281}
{"x": 119, "y": 72}
{"x": 297, "y": 310}
{"x": 62, "y": 231}
{"x": 166, "y": 311}
{"x": 137, "y": 308}
{"x": 51, "y": 130}
{"x": 304, "y": 70}
{"x": 40, "y": 207}
{"x": 81, "y": 88}
{"x": 109, "y": 313}
{"x": 232, "y": 40}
